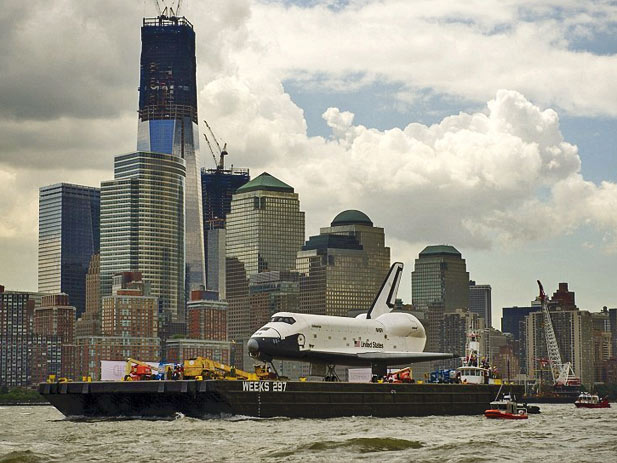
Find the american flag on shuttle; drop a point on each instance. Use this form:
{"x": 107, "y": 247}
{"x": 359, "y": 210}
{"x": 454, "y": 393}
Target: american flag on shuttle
{"x": 356, "y": 342}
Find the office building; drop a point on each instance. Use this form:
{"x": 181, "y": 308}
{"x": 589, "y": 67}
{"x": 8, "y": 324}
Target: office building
{"x": 16, "y": 313}
{"x": 480, "y": 301}
{"x": 92, "y": 349}
{"x": 55, "y": 317}
{"x": 439, "y": 284}
{"x": 206, "y": 319}
{"x": 440, "y": 277}
{"x": 513, "y": 316}
{"x": 563, "y": 298}
{"x": 455, "y": 330}
{"x": 90, "y": 322}
{"x": 179, "y": 350}
{"x": 269, "y": 293}
{"x": 612, "y": 320}
{"x": 53, "y": 348}
{"x": 68, "y": 237}
{"x": 611, "y": 371}
{"x": 130, "y": 311}
{"x": 602, "y": 344}
{"x": 265, "y": 231}
{"x": 513, "y": 321}
{"x": 46, "y": 358}
{"x": 168, "y": 120}
{"x": 342, "y": 268}
{"x": 142, "y": 227}
{"x": 218, "y": 185}
{"x": 215, "y": 259}
{"x": 506, "y": 361}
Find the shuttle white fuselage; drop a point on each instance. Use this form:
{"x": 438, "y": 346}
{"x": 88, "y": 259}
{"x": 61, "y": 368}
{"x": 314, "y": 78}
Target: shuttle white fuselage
{"x": 377, "y": 338}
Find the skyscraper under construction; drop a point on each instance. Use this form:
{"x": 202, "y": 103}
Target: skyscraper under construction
{"x": 168, "y": 118}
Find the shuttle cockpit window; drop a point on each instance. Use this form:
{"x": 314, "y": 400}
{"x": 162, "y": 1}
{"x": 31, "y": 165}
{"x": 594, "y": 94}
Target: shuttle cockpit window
{"x": 288, "y": 320}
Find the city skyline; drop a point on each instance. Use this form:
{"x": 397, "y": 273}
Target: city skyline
{"x": 270, "y": 126}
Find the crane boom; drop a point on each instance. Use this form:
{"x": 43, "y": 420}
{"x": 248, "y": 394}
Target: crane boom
{"x": 220, "y": 164}
{"x": 211, "y": 150}
{"x": 562, "y": 372}
{"x": 158, "y": 7}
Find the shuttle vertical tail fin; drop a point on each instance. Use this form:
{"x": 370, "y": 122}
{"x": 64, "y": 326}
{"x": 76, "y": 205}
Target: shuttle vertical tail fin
{"x": 384, "y": 301}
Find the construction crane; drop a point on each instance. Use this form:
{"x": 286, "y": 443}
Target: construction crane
{"x": 563, "y": 374}
{"x": 220, "y": 163}
{"x": 167, "y": 11}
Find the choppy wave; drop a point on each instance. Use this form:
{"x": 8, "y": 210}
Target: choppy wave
{"x": 25, "y": 456}
{"x": 45, "y": 436}
{"x": 357, "y": 444}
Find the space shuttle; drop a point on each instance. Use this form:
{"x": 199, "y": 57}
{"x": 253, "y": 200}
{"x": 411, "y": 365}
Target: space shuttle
{"x": 378, "y": 338}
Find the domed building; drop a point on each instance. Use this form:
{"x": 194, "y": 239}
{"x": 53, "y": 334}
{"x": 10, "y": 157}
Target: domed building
{"x": 264, "y": 231}
{"x": 440, "y": 277}
{"x": 342, "y": 268}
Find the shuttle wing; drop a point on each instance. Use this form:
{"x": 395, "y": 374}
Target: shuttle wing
{"x": 388, "y": 357}
{"x": 405, "y": 357}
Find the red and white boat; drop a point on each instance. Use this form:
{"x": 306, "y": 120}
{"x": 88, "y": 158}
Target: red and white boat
{"x": 506, "y": 409}
{"x": 587, "y": 400}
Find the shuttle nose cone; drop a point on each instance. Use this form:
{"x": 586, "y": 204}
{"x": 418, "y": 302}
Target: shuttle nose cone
{"x": 253, "y": 347}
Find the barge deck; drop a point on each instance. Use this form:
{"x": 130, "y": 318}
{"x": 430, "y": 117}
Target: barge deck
{"x": 264, "y": 399}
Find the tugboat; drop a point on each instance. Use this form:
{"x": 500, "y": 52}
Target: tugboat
{"x": 475, "y": 369}
{"x": 506, "y": 409}
{"x": 587, "y": 400}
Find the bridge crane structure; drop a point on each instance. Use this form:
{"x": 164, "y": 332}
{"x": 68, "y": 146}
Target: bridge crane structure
{"x": 563, "y": 374}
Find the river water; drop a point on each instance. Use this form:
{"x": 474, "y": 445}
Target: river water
{"x": 560, "y": 433}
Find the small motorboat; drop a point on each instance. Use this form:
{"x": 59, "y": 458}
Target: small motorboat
{"x": 531, "y": 409}
{"x": 587, "y": 400}
{"x": 506, "y": 409}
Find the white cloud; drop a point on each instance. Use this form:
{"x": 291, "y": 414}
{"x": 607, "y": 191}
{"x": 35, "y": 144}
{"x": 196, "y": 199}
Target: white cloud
{"x": 501, "y": 175}
{"x": 468, "y": 50}
{"x": 504, "y": 175}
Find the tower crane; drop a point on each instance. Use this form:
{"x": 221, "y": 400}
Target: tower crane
{"x": 167, "y": 11}
{"x": 220, "y": 163}
{"x": 563, "y": 374}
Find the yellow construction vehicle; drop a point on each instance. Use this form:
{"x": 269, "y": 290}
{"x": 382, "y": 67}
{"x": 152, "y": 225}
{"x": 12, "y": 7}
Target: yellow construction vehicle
{"x": 209, "y": 369}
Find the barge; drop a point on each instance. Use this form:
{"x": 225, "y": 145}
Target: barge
{"x": 265, "y": 399}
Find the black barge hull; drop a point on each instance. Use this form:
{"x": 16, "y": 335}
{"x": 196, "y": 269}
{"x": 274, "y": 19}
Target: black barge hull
{"x": 263, "y": 399}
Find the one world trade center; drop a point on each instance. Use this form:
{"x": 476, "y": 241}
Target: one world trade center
{"x": 168, "y": 119}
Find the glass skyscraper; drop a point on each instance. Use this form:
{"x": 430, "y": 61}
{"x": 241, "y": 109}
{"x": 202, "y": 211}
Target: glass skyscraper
{"x": 168, "y": 118}
{"x": 440, "y": 284}
{"x": 343, "y": 267}
{"x": 480, "y": 301}
{"x": 265, "y": 231}
{"x": 68, "y": 237}
{"x": 440, "y": 277}
{"x": 142, "y": 226}
{"x": 217, "y": 186}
